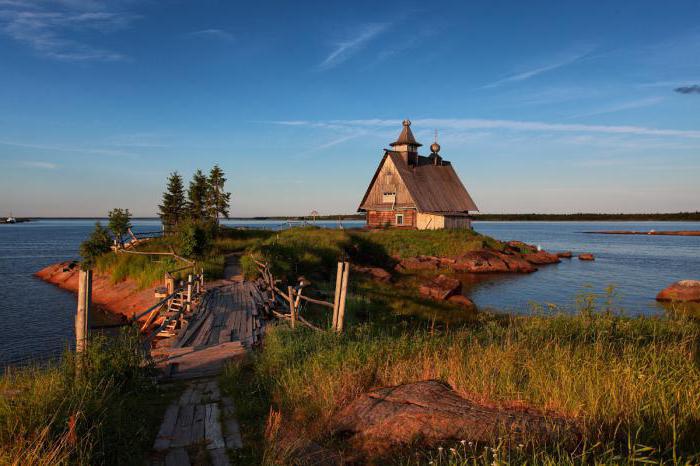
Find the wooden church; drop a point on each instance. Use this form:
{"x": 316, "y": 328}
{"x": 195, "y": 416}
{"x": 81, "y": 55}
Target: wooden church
{"x": 413, "y": 191}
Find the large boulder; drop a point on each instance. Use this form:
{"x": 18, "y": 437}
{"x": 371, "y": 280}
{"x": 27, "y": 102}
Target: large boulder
{"x": 440, "y": 287}
{"x": 565, "y": 255}
{"x": 520, "y": 247}
{"x": 376, "y": 273}
{"x": 541, "y": 257}
{"x": 586, "y": 256}
{"x": 433, "y": 413}
{"x": 684, "y": 290}
{"x": 418, "y": 263}
{"x": 485, "y": 260}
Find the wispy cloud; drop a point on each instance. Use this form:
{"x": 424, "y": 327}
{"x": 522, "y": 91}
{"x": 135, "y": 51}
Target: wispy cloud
{"x": 347, "y": 48}
{"x": 513, "y": 125}
{"x": 75, "y": 149}
{"x": 565, "y": 60}
{"x": 52, "y": 28}
{"x": 39, "y": 164}
{"x": 694, "y": 89}
{"x": 639, "y": 103}
{"x": 219, "y": 34}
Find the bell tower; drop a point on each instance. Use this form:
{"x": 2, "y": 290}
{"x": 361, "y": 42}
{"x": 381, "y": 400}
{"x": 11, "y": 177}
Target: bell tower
{"x": 406, "y": 144}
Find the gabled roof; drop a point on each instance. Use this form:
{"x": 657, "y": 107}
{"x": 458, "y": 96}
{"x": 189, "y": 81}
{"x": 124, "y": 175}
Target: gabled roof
{"x": 433, "y": 188}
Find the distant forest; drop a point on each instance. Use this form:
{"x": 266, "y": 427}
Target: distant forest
{"x": 581, "y": 217}
{"x": 679, "y": 216}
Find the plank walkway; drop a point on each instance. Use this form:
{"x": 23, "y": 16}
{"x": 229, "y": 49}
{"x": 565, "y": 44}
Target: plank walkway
{"x": 225, "y": 325}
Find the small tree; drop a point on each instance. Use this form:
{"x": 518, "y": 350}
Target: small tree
{"x": 119, "y": 223}
{"x": 197, "y": 196}
{"x": 174, "y": 207}
{"x": 219, "y": 200}
{"x": 97, "y": 244}
{"x": 194, "y": 239}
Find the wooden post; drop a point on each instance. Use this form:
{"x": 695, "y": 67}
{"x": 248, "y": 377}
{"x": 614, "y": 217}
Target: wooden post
{"x": 290, "y": 292}
{"x": 201, "y": 279}
{"x": 81, "y": 316}
{"x": 343, "y": 296}
{"x": 336, "y": 297}
{"x": 189, "y": 292}
{"x": 169, "y": 283}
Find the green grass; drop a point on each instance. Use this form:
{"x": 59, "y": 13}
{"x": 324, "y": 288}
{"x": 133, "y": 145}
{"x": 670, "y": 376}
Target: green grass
{"x": 115, "y": 404}
{"x": 441, "y": 243}
{"x": 314, "y": 251}
{"x": 631, "y": 384}
{"x": 619, "y": 378}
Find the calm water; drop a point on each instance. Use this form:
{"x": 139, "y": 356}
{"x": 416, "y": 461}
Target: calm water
{"x": 638, "y": 265}
{"x": 38, "y": 317}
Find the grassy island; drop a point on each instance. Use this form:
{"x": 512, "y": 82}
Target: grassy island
{"x": 630, "y": 385}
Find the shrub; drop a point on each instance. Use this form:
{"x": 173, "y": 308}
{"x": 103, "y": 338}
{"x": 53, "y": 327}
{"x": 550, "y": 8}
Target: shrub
{"x": 194, "y": 239}
{"x": 96, "y": 245}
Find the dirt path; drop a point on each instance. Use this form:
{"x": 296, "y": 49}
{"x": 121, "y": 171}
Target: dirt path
{"x": 232, "y": 268}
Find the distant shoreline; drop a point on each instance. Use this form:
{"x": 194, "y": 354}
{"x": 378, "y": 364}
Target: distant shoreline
{"x": 660, "y": 217}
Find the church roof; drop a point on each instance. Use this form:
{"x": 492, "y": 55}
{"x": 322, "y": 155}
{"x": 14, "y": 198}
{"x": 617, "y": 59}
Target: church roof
{"x": 406, "y": 136}
{"x": 433, "y": 188}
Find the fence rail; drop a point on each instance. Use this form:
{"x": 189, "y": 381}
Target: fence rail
{"x": 286, "y": 305}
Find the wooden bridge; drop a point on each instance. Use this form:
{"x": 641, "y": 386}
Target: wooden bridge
{"x": 224, "y": 324}
{"x": 192, "y": 333}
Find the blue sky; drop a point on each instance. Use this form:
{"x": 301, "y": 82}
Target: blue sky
{"x": 541, "y": 106}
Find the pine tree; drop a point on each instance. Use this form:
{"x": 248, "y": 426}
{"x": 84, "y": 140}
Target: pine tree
{"x": 119, "y": 223}
{"x": 219, "y": 200}
{"x": 198, "y": 195}
{"x": 174, "y": 208}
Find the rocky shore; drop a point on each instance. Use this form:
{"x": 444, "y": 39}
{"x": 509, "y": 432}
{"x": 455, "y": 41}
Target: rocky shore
{"x": 122, "y": 299}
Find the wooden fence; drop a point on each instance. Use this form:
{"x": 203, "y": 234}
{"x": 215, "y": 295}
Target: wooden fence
{"x": 286, "y": 304}
{"x": 177, "y": 301}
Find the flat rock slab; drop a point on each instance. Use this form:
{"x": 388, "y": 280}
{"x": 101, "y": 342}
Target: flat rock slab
{"x": 432, "y": 412}
{"x": 440, "y": 287}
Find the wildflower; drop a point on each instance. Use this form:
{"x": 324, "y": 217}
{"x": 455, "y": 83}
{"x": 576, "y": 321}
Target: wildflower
{"x": 453, "y": 451}
{"x": 464, "y": 442}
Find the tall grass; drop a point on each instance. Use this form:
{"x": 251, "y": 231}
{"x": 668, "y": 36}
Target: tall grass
{"x": 106, "y": 415}
{"x": 626, "y": 381}
{"x": 144, "y": 270}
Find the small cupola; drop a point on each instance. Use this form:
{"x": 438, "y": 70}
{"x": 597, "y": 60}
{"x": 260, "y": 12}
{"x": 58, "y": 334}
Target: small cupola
{"x": 435, "y": 158}
{"x": 406, "y": 144}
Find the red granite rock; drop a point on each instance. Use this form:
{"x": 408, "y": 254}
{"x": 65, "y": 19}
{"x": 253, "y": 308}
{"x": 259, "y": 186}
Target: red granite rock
{"x": 684, "y": 290}
{"x": 440, "y": 287}
{"x": 484, "y": 260}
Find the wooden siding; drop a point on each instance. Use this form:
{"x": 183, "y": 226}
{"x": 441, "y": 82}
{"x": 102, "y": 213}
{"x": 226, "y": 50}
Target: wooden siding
{"x": 382, "y": 218}
{"x": 388, "y": 180}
